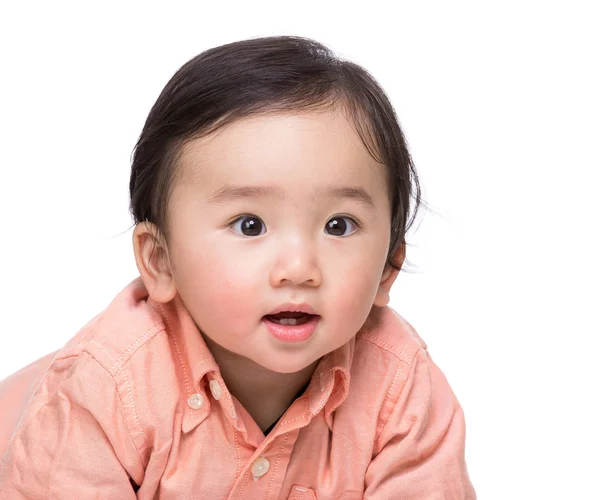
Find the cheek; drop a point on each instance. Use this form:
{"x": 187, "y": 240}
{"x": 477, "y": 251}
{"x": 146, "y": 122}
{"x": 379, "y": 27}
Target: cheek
{"x": 212, "y": 283}
{"x": 218, "y": 287}
{"x": 356, "y": 295}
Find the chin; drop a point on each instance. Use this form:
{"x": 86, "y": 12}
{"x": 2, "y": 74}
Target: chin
{"x": 286, "y": 367}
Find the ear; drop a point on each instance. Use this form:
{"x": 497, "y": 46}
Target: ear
{"x": 388, "y": 277}
{"x": 152, "y": 260}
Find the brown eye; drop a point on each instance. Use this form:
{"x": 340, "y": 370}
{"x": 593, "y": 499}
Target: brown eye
{"x": 249, "y": 225}
{"x": 337, "y": 226}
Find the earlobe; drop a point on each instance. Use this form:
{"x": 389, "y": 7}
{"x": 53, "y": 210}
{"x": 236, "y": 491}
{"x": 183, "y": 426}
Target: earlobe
{"x": 152, "y": 262}
{"x": 382, "y": 297}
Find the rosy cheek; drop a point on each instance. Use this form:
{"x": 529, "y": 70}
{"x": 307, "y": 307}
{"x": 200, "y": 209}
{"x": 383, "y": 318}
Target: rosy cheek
{"x": 358, "y": 294}
{"x": 233, "y": 303}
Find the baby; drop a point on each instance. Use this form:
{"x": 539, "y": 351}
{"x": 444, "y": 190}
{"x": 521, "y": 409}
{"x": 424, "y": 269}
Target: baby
{"x": 255, "y": 356}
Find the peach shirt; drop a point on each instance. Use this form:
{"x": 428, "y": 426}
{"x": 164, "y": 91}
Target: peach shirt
{"x": 136, "y": 398}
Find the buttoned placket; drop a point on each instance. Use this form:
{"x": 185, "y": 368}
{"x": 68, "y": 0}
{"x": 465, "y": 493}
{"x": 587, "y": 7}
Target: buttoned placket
{"x": 267, "y": 466}
{"x": 263, "y": 470}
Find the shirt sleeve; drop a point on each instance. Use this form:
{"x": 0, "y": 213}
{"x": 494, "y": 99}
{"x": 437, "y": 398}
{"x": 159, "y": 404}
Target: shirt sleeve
{"x": 72, "y": 441}
{"x": 420, "y": 453}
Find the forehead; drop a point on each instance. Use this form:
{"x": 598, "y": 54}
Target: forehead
{"x": 300, "y": 149}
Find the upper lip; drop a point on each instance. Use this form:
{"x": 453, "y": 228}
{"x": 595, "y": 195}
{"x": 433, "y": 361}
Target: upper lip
{"x": 303, "y": 308}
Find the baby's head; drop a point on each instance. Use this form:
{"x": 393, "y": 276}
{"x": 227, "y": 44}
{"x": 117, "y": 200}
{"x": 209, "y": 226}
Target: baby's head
{"x": 272, "y": 175}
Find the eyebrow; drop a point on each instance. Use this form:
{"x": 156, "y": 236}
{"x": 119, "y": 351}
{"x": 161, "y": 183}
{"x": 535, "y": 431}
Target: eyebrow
{"x": 230, "y": 192}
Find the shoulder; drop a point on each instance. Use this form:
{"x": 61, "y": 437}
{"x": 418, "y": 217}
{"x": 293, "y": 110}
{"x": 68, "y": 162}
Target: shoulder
{"x": 386, "y": 352}
{"x": 120, "y": 359}
{"x": 120, "y": 332}
{"x": 108, "y": 343}
{"x": 420, "y": 424}
{"x": 129, "y": 341}
{"x": 386, "y": 333}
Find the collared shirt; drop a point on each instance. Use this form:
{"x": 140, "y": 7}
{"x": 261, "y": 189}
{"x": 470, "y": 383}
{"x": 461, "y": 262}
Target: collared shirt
{"x": 134, "y": 406}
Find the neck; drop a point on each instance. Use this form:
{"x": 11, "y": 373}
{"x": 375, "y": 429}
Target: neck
{"x": 265, "y": 394}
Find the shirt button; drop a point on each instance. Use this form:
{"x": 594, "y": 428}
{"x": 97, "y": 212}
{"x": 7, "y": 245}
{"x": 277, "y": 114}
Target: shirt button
{"x": 260, "y": 467}
{"x": 215, "y": 389}
{"x": 195, "y": 401}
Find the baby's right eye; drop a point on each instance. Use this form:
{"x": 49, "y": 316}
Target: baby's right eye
{"x": 250, "y": 225}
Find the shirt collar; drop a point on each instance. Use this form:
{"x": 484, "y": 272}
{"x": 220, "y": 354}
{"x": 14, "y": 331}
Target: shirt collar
{"x": 194, "y": 361}
{"x": 194, "y": 356}
{"x": 330, "y": 382}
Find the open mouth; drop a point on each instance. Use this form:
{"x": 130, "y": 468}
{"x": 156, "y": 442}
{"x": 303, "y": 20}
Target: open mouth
{"x": 291, "y": 326}
{"x": 289, "y": 318}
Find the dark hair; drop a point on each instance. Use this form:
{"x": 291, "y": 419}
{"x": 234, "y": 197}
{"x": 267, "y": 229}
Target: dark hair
{"x": 264, "y": 75}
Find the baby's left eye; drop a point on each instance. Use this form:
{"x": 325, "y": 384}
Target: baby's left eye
{"x": 338, "y": 225}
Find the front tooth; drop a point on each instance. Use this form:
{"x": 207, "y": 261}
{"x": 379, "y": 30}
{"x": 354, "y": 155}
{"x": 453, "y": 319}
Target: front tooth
{"x": 289, "y": 321}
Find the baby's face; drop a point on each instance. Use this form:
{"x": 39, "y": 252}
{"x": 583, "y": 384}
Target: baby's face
{"x": 278, "y": 209}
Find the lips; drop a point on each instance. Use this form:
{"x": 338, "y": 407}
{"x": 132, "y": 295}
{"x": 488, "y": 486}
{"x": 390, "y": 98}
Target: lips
{"x": 291, "y": 329}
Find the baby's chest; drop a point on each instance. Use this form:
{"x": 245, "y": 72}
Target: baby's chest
{"x": 306, "y": 463}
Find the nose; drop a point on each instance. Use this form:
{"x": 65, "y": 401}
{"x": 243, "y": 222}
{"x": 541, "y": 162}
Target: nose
{"x": 296, "y": 264}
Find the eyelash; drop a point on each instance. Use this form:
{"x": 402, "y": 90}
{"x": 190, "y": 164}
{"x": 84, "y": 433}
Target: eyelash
{"x": 341, "y": 216}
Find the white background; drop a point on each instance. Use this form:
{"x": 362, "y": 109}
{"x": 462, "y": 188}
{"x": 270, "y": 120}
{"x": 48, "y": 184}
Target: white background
{"x": 500, "y": 105}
